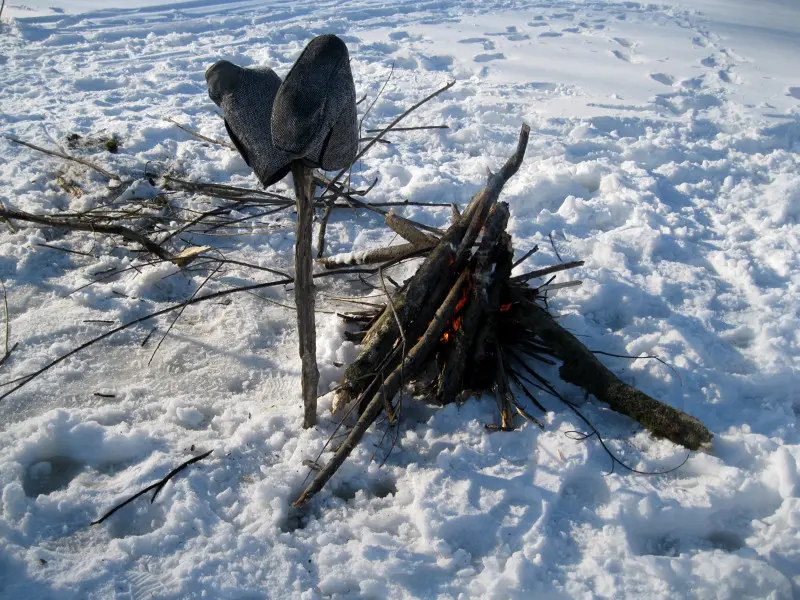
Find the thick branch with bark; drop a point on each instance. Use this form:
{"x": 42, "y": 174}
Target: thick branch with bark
{"x": 371, "y": 257}
{"x": 410, "y": 232}
{"x": 581, "y": 367}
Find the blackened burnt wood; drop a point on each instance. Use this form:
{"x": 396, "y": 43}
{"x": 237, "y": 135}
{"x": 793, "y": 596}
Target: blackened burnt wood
{"x": 424, "y": 293}
{"x": 451, "y": 379}
{"x": 503, "y": 393}
{"x": 581, "y": 367}
{"x": 483, "y": 349}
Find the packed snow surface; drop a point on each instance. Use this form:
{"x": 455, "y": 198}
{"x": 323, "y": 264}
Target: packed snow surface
{"x": 664, "y": 153}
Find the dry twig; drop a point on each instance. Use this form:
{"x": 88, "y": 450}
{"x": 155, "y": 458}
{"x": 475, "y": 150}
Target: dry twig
{"x": 58, "y": 154}
{"x": 157, "y": 486}
{"x": 199, "y": 135}
{"x": 411, "y": 128}
{"x": 8, "y": 352}
{"x": 78, "y": 225}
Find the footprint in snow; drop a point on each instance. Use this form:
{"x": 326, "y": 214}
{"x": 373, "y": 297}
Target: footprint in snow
{"x": 709, "y": 61}
{"x": 794, "y": 92}
{"x": 145, "y": 584}
{"x": 50, "y": 475}
{"x": 625, "y": 43}
{"x": 728, "y": 76}
{"x": 404, "y": 62}
{"x": 621, "y": 56}
{"x": 398, "y": 35}
{"x": 550, "y": 34}
{"x": 487, "y": 43}
{"x": 436, "y": 63}
{"x": 380, "y": 48}
{"x": 662, "y": 78}
{"x": 487, "y": 57}
{"x": 670, "y": 544}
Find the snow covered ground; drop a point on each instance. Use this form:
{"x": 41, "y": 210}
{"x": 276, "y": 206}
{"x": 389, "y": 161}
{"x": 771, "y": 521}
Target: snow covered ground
{"x": 664, "y": 152}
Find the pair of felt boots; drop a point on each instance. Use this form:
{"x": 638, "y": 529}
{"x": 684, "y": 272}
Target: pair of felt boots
{"x": 310, "y": 116}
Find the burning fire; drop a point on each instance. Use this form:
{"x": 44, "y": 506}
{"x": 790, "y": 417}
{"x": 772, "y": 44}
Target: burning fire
{"x": 455, "y": 322}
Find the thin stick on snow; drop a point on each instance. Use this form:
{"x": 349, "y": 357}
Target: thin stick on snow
{"x": 8, "y": 327}
{"x": 526, "y": 256}
{"x": 547, "y": 271}
{"x": 221, "y": 190}
{"x": 419, "y": 128}
{"x": 58, "y": 154}
{"x": 157, "y": 486}
{"x": 26, "y": 379}
{"x": 180, "y": 312}
{"x": 200, "y": 136}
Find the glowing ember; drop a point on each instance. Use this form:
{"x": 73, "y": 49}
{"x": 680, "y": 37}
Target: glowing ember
{"x": 505, "y": 307}
{"x": 455, "y": 323}
{"x": 462, "y": 302}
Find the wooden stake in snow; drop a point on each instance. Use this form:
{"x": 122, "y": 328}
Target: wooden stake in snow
{"x": 304, "y": 289}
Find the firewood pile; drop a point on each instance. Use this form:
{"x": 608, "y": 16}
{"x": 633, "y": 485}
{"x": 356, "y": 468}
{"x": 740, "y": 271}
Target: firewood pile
{"x": 462, "y": 324}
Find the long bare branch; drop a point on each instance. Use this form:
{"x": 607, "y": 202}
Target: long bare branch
{"x": 58, "y": 154}
{"x": 77, "y": 225}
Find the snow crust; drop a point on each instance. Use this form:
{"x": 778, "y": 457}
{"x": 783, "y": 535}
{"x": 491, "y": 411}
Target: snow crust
{"x": 664, "y": 153}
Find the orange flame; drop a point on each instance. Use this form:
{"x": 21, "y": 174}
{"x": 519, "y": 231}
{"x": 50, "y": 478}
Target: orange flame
{"x": 505, "y": 307}
{"x": 462, "y": 302}
{"x": 455, "y": 321}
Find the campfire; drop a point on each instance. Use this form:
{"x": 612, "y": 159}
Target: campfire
{"x": 463, "y": 325}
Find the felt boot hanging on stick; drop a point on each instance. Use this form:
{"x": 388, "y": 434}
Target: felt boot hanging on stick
{"x": 307, "y": 121}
